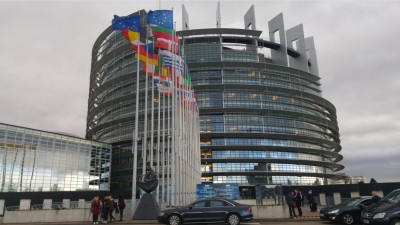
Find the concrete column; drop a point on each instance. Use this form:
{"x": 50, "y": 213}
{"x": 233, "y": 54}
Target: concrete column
{"x": 24, "y": 204}
{"x": 354, "y": 194}
{"x": 81, "y": 203}
{"x": 337, "y": 198}
{"x": 278, "y": 56}
{"x": 2, "y": 207}
{"x": 47, "y": 203}
{"x": 66, "y": 203}
{"x": 297, "y": 34}
{"x": 322, "y": 198}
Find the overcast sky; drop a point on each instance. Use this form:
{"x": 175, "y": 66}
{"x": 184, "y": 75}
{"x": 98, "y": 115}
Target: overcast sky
{"x": 45, "y": 53}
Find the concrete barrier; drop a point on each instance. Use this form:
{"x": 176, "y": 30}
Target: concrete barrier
{"x": 79, "y": 215}
{"x": 51, "y": 215}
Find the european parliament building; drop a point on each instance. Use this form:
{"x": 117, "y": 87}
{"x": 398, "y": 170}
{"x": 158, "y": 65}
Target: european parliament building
{"x": 262, "y": 117}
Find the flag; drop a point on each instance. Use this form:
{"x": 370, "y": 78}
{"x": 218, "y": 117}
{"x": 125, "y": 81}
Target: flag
{"x": 156, "y": 71}
{"x": 146, "y": 53}
{"x": 171, "y": 55}
{"x": 162, "y": 18}
{"x": 186, "y": 82}
{"x": 131, "y": 36}
{"x": 167, "y": 44}
{"x": 176, "y": 63}
{"x": 162, "y": 32}
{"x": 131, "y": 22}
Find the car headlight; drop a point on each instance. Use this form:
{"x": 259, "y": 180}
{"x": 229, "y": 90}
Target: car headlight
{"x": 161, "y": 214}
{"x": 333, "y": 211}
{"x": 379, "y": 215}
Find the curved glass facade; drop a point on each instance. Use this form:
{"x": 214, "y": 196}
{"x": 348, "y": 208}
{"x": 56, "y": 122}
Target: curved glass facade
{"x": 261, "y": 123}
{"x": 33, "y": 160}
{"x": 167, "y": 134}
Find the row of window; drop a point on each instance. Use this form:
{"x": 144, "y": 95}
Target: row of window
{"x": 270, "y": 167}
{"x": 227, "y": 154}
{"x": 207, "y": 128}
{"x": 259, "y": 142}
{"x": 284, "y": 180}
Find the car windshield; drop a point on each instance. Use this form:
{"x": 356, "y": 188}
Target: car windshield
{"x": 392, "y": 197}
{"x": 350, "y": 202}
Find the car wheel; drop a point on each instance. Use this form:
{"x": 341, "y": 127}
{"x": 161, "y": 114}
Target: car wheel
{"x": 395, "y": 222}
{"x": 174, "y": 219}
{"x": 233, "y": 219}
{"x": 347, "y": 218}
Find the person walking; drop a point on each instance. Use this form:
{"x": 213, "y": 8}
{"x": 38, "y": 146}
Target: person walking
{"x": 291, "y": 204}
{"x": 311, "y": 201}
{"x": 375, "y": 197}
{"x": 121, "y": 206}
{"x": 111, "y": 208}
{"x": 95, "y": 209}
{"x": 104, "y": 209}
{"x": 298, "y": 200}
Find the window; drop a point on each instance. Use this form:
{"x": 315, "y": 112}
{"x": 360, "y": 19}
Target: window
{"x": 199, "y": 204}
{"x": 215, "y": 203}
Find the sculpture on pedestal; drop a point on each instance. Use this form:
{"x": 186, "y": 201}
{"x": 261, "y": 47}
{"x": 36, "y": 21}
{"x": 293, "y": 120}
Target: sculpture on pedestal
{"x": 148, "y": 207}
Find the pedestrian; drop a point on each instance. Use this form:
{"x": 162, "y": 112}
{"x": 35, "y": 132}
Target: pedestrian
{"x": 111, "y": 208}
{"x": 298, "y": 200}
{"x": 291, "y": 204}
{"x": 121, "y": 206}
{"x": 301, "y": 198}
{"x": 311, "y": 201}
{"x": 95, "y": 209}
{"x": 375, "y": 197}
{"x": 105, "y": 206}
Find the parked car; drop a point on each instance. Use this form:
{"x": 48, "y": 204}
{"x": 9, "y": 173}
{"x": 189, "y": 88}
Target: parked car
{"x": 211, "y": 210}
{"x": 347, "y": 212}
{"x": 387, "y": 211}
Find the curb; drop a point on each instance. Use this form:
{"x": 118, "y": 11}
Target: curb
{"x": 306, "y": 218}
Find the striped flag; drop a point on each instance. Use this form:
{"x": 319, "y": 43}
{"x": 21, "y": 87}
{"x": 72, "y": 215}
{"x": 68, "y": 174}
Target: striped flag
{"x": 167, "y": 44}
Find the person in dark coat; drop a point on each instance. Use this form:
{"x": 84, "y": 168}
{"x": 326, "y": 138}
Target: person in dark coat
{"x": 111, "y": 208}
{"x": 105, "y": 204}
{"x": 298, "y": 199}
{"x": 311, "y": 201}
{"x": 121, "y": 206}
{"x": 291, "y": 204}
{"x": 95, "y": 209}
{"x": 375, "y": 197}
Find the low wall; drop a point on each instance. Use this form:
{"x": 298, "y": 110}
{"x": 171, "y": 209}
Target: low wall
{"x": 78, "y": 215}
{"x": 51, "y": 215}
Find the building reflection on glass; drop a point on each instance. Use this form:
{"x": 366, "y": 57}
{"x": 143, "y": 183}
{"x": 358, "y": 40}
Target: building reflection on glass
{"x": 33, "y": 160}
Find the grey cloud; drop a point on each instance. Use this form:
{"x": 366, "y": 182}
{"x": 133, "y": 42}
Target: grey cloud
{"x": 46, "y": 51}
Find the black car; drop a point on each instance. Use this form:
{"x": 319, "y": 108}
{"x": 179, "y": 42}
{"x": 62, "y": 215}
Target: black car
{"x": 347, "y": 212}
{"x": 211, "y": 210}
{"x": 387, "y": 211}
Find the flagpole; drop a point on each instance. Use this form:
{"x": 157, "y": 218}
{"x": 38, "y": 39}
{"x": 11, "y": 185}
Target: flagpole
{"x": 152, "y": 116}
{"x": 135, "y": 138}
{"x": 144, "y": 142}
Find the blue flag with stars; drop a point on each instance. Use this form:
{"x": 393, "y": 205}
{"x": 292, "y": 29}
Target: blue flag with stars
{"x": 131, "y": 22}
{"x": 162, "y": 18}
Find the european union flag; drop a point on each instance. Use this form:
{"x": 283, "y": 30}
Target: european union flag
{"x": 162, "y": 18}
{"x": 131, "y": 22}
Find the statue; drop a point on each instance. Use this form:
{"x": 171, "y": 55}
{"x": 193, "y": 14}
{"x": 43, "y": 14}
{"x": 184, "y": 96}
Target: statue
{"x": 148, "y": 207}
{"x": 149, "y": 181}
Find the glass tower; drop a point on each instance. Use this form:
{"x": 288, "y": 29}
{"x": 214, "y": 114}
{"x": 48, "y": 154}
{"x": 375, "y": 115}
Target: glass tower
{"x": 261, "y": 122}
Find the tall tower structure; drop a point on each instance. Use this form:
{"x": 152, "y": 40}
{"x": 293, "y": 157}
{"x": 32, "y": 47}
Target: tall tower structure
{"x": 263, "y": 120}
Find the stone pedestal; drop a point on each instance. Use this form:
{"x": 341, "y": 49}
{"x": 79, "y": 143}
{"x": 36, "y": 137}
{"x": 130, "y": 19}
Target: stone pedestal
{"x": 147, "y": 209}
